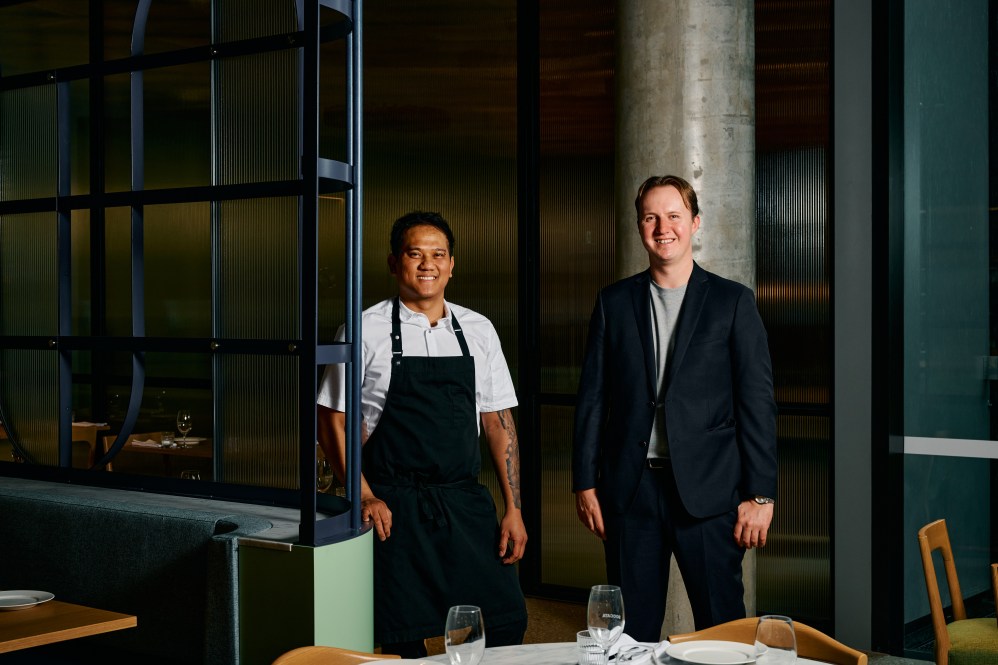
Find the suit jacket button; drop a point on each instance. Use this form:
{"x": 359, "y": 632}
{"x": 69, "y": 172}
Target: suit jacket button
{"x": 651, "y": 404}
{"x": 644, "y": 444}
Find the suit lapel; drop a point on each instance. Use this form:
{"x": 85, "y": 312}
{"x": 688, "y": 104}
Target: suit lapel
{"x": 689, "y": 315}
{"x": 642, "y": 316}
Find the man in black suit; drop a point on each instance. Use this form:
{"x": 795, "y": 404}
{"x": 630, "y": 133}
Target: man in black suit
{"x": 675, "y": 427}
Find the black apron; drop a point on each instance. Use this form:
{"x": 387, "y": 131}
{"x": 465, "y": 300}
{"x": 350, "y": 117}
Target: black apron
{"x": 423, "y": 460}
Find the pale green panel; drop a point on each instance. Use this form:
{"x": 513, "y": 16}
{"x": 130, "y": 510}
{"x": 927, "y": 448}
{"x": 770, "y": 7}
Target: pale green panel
{"x": 29, "y": 381}
{"x": 246, "y": 19}
{"x": 325, "y": 596}
{"x": 29, "y": 296}
{"x": 28, "y": 150}
{"x": 256, "y": 118}
{"x": 178, "y": 270}
{"x": 258, "y": 269}
{"x": 258, "y": 402}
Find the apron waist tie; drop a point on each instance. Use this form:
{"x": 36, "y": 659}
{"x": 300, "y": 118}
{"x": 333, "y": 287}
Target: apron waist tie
{"x": 430, "y": 508}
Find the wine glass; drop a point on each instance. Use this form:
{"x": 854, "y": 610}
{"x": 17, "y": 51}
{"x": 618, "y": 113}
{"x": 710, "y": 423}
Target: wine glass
{"x": 184, "y": 424}
{"x": 464, "y": 635}
{"x": 606, "y": 616}
{"x": 775, "y": 641}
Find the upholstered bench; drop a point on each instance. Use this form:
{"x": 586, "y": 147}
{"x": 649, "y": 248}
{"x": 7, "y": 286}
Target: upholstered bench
{"x": 175, "y": 568}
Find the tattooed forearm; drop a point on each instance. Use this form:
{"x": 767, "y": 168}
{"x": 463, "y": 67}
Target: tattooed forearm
{"x": 512, "y": 454}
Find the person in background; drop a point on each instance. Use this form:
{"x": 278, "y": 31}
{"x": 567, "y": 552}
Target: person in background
{"x": 432, "y": 372}
{"x": 675, "y": 426}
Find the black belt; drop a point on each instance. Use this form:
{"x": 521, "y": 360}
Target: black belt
{"x": 658, "y": 463}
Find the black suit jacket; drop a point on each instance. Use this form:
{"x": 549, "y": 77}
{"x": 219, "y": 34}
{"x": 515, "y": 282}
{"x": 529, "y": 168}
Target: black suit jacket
{"x": 719, "y": 403}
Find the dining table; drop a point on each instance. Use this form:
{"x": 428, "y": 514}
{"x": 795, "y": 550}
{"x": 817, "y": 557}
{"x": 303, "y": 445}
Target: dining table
{"x": 556, "y": 653}
{"x": 56, "y": 621}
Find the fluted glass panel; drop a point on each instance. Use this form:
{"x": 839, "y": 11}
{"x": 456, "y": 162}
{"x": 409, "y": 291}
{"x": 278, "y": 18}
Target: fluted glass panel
{"x": 793, "y": 52}
{"x": 256, "y": 130}
{"x": 81, "y": 272}
{"x": 246, "y": 19}
{"x": 332, "y": 271}
{"x": 29, "y": 300}
{"x": 792, "y": 290}
{"x": 578, "y": 237}
{"x": 332, "y": 100}
{"x": 42, "y": 35}
{"x": 571, "y": 555}
{"x": 440, "y": 135}
{"x": 258, "y": 402}
{"x": 118, "y": 271}
{"x": 178, "y": 270}
{"x": 794, "y": 569}
{"x": 177, "y": 122}
{"x": 171, "y": 26}
{"x": 258, "y": 269}
{"x": 30, "y": 390}
{"x": 29, "y": 157}
{"x": 117, "y": 133}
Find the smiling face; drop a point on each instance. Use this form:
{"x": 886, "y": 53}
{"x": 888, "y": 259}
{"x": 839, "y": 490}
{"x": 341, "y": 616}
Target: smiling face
{"x": 423, "y": 267}
{"x": 667, "y": 227}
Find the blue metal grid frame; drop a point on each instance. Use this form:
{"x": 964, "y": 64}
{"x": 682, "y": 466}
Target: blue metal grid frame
{"x": 318, "y": 175}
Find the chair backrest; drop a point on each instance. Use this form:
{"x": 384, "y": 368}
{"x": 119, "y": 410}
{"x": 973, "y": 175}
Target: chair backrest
{"x": 932, "y": 537}
{"x": 811, "y": 642}
{"x": 320, "y": 655}
{"x": 994, "y": 584}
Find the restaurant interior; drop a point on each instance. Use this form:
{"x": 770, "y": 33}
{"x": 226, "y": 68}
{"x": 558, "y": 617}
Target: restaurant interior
{"x": 196, "y": 194}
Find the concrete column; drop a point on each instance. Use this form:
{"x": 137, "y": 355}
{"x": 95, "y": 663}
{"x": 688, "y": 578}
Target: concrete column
{"x": 686, "y": 106}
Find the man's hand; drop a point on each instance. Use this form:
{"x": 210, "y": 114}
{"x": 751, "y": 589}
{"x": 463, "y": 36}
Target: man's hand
{"x": 512, "y": 535}
{"x": 373, "y": 509}
{"x": 753, "y": 523}
{"x": 587, "y": 507}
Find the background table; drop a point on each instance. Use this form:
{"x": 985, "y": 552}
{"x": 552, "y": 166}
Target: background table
{"x": 56, "y": 621}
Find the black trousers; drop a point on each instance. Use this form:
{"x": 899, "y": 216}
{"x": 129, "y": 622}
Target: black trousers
{"x": 638, "y": 547}
{"x": 495, "y": 636}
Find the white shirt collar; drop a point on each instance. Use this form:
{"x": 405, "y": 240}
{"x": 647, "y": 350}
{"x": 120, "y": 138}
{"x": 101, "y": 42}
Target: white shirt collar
{"x": 407, "y": 315}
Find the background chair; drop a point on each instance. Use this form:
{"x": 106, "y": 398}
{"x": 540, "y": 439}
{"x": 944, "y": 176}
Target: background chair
{"x": 811, "y": 643}
{"x": 970, "y": 641}
{"x": 327, "y": 656}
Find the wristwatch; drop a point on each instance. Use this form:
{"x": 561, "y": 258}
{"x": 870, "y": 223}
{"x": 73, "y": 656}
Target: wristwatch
{"x": 763, "y": 500}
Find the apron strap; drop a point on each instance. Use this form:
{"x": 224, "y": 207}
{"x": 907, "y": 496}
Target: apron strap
{"x": 397, "y": 332}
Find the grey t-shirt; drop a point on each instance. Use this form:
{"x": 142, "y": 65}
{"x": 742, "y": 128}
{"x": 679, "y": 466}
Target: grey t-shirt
{"x": 665, "y": 305}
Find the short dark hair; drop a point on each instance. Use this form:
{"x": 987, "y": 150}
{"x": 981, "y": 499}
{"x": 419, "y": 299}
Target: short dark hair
{"x": 685, "y": 189}
{"x": 419, "y": 218}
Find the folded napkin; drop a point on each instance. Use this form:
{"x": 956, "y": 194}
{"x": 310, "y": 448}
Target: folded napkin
{"x": 84, "y": 423}
{"x": 624, "y": 651}
{"x": 147, "y": 444}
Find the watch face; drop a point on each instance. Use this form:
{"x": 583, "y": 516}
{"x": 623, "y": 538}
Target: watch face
{"x": 762, "y": 500}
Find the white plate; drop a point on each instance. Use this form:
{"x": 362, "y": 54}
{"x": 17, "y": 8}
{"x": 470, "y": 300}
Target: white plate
{"x": 19, "y": 599}
{"x": 712, "y": 652}
{"x": 191, "y": 440}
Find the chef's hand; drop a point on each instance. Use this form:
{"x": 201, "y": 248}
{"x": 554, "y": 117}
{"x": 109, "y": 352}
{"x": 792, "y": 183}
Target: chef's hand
{"x": 589, "y": 512}
{"x": 753, "y": 523}
{"x": 373, "y": 509}
{"x": 512, "y": 537}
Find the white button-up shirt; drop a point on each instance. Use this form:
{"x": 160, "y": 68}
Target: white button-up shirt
{"x": 493, "y": 383}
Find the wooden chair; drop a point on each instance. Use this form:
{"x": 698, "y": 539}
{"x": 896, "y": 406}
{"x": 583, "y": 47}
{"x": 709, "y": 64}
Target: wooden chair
{"x": 328, "y": 656}
{"x": 994, "y": 585}
{"x": 811, "y": 643}
{"x": 975, "y": 639}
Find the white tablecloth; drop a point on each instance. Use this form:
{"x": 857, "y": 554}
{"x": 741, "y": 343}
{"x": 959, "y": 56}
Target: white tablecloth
{"x": 558, "y": 653}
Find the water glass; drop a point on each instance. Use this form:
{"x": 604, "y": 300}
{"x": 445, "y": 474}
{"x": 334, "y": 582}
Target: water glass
{"x": 166, "y": 440}
{"x": 590, "y": 652}
{"x": 464, "y": 635}
{"x": 606, "y": 616}
{"x": 775, "y": 641}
